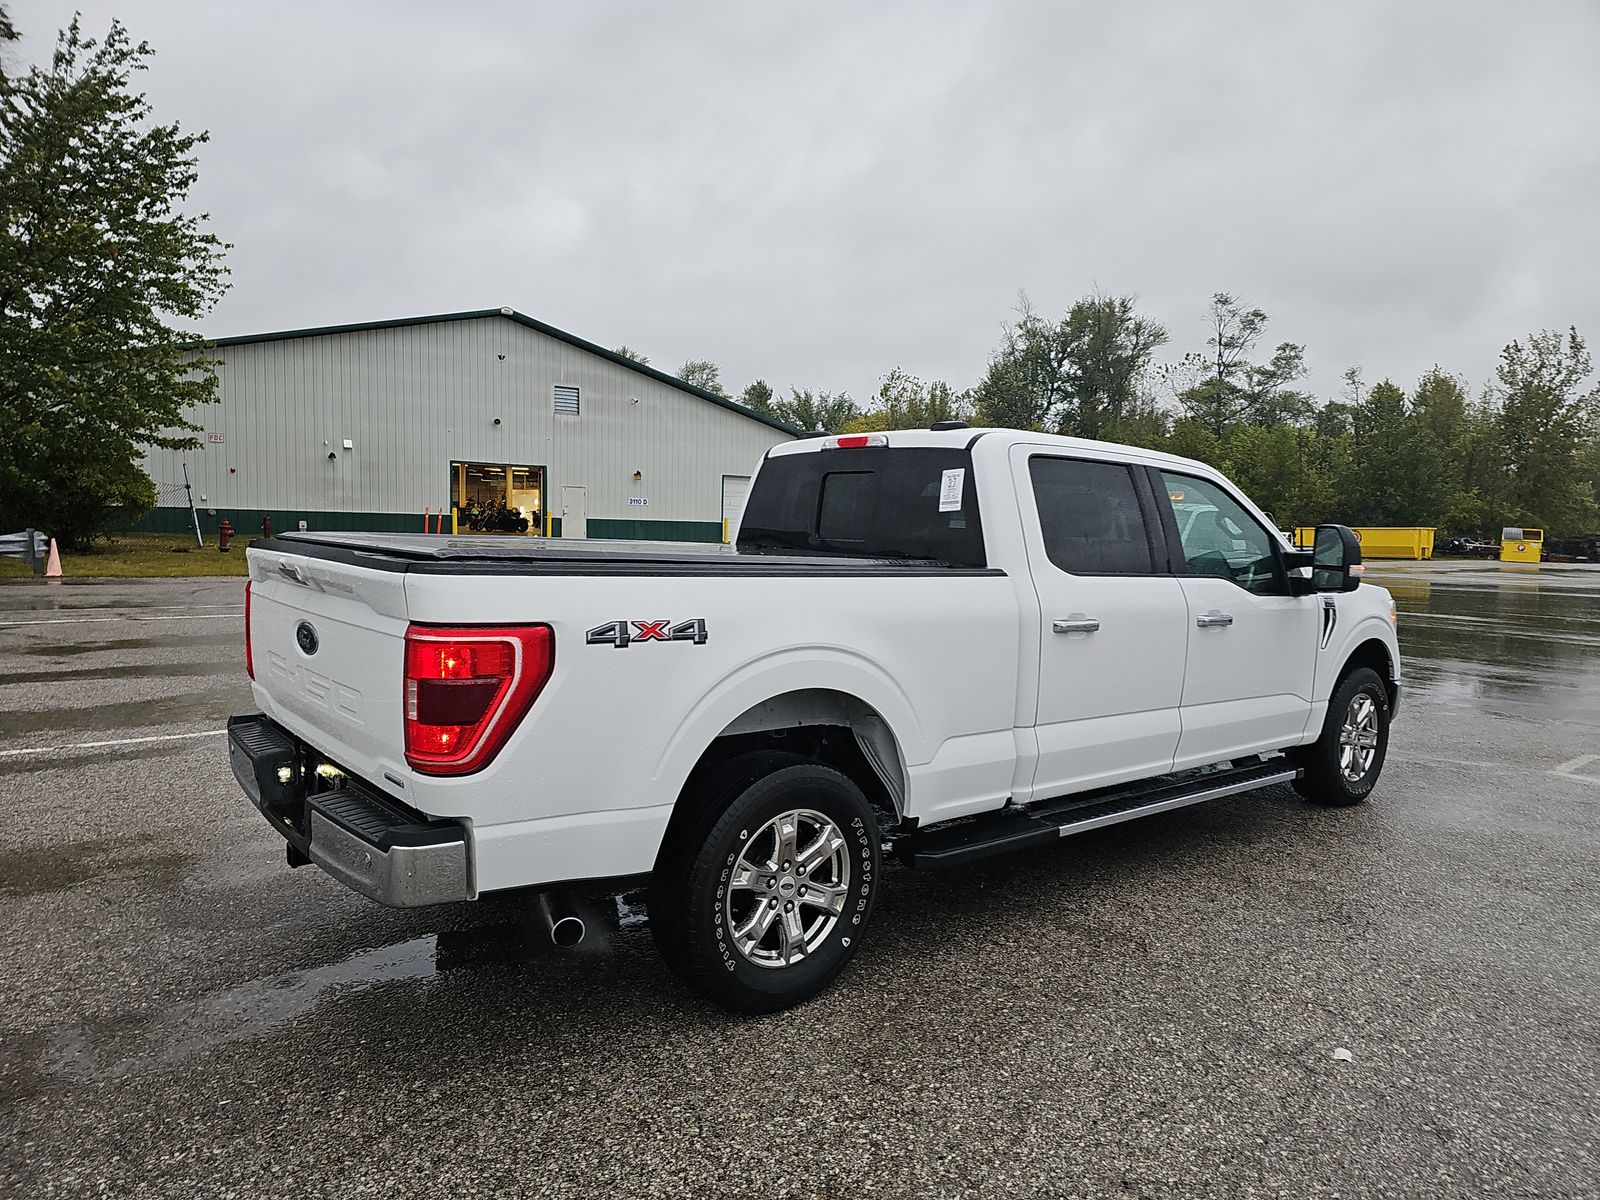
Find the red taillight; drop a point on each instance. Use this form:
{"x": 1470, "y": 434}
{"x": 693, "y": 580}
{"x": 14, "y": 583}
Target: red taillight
{"x": 467, "y": 688}
{"x": 249, "y": 657}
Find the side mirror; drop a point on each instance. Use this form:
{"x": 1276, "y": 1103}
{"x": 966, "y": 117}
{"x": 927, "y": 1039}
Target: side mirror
{"x": 1336, "y": 559}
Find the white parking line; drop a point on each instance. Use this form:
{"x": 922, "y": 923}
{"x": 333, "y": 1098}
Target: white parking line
{"x": 1583, "y": 760}
{"x": 159, "y": 737}
{"x": 1570, "y": 769}
{"x": 227, "y": 616}
{"x": 126, "y": 608}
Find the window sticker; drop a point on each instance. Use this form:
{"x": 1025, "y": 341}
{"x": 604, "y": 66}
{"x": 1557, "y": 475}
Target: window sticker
{"x": 950, "y": 489}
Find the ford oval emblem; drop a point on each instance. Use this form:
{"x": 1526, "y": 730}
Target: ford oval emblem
{"x": 305, "y": 636}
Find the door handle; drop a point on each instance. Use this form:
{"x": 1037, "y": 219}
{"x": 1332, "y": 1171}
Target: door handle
{"x": 1214, "y": 620}
{"x": 1087, "y": 625}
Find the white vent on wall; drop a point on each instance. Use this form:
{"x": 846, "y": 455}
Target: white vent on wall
{"x": 566, "y": 400}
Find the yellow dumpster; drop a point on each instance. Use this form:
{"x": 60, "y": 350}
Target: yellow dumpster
{"x": 1385, "y": 541}
{"x": 1521, "y": 545}
{"x": 1396, "y": 541}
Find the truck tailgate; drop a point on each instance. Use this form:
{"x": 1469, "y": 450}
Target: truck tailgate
{"x": 328, "y": 644}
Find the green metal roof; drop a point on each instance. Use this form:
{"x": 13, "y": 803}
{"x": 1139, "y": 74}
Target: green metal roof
{"x": 512, "y": 315}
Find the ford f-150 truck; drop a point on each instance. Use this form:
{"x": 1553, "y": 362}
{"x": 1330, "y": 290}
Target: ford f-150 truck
{"x": 935, "y": 645}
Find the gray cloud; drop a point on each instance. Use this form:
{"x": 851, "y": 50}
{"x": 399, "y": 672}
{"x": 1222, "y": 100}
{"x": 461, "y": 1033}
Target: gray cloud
{"x": 816, "y": 193}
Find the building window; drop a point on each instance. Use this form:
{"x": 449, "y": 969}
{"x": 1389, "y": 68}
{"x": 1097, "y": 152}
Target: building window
{"x": 566, "y": 400}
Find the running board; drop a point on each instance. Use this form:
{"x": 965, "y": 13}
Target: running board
{"x": 1018, "y": 828}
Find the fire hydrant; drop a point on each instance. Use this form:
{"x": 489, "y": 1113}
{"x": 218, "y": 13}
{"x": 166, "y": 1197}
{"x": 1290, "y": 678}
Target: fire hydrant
{"x": 224, "y": 535}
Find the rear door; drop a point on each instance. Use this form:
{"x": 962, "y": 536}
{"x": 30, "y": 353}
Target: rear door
{"x": 574, "y": 511}
{"x": 734, "y": 488}
{"x": 1113, "y": 634}
{"x": 1252, "y": 646}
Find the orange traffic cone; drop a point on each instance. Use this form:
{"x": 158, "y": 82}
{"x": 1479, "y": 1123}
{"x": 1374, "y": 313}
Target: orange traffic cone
{"x": 52, "y": 565}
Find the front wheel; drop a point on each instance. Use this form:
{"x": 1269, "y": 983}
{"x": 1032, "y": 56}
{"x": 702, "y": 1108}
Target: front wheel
{"x": 1342, "y": 766}
{"x": 766, "y": 899}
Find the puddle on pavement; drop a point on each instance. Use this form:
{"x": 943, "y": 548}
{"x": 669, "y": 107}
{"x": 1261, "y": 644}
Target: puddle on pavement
{"x": 145, "y": 671}
{"x": 106, "y": 1050}
{"x": 212, "y": 705}
{"x": 1523, "y": 647}
{"x": 43, "y": 870}
{"x": 65, "y": 649}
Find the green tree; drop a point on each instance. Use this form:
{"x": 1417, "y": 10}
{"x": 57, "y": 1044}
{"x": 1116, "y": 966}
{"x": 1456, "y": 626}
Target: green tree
{"x": 630, "y": 353}
{"x": 703, "y": 374}
{"x": 8, "y": 33}
{"x": 757, "y": 395}
{"x": 1265, "y": 461}
{"x": 1107, "y": 353}
{"x": 1547, "y": 416}
{"x": 1270, "y": 397}
{"x": 1193, "y": 439}
{"x": 1442, "y": 424}
{"x": 1387, "y": 485}
{"x": 1080, "y": 375}
{"x": 1224, "y": 387}
{"x": 1142, "y": 422}
{"x": 905, "y": 402}
{"x": 812, "y": 410}
{"x": 96, "y": 257}
{"x": 1025, "y": 384}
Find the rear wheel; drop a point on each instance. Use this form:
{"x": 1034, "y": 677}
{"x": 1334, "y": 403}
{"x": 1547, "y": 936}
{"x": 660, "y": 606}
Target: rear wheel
{"x": 1342, "y": 766}
{"x": 763, "y": 900}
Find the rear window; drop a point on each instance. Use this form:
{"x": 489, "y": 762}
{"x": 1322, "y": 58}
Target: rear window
{"x": 1090, "y": 517}
{"x": 872, "y": 502}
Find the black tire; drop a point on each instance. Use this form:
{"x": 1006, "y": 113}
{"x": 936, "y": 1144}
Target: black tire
{"x": 1325, "y": 780}
{"x": 692, "y": 906}
{"x": 708, "y": 797}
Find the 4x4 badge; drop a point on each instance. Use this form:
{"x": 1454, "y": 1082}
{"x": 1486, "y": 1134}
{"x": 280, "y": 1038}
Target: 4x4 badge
{"x": 623, "y": 634}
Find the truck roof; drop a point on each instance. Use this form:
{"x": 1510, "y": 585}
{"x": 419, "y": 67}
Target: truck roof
{"x": 961, "y": 439}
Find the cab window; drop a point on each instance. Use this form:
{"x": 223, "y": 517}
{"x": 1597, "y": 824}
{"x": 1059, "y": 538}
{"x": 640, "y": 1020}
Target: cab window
{"x": 1220, "y": 538}
{"x": 1090, "y": 516}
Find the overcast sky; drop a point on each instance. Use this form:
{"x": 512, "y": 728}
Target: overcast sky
{"x": 815, "y": 193}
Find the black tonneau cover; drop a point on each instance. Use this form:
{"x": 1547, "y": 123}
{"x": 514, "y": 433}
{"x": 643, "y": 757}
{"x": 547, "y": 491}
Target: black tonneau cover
{"x": 491, "y": 554}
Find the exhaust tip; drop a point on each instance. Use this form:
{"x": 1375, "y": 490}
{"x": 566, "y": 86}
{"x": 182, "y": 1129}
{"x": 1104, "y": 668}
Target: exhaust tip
{"x": 561, "y": 920}
{"x": 567, "y": 932}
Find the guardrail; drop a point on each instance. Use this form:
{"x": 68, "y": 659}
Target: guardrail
{"x": 31, "y": 546}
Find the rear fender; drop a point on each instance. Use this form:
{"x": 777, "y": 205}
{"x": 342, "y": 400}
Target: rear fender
{"x": 791, "y": 670}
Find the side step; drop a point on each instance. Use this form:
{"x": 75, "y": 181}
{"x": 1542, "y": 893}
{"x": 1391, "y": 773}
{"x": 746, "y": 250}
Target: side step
{"x": 1016, "y": 828}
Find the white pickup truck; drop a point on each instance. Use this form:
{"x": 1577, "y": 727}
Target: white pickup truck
{"x": 932, "y": 644}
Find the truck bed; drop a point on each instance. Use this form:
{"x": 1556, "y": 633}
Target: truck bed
{"x": 491, "y": 554}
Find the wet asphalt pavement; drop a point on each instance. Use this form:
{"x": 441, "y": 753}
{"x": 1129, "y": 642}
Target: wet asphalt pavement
{"x": 1148, "y": 1010}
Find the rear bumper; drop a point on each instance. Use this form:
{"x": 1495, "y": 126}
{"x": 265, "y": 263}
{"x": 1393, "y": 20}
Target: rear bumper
{"x": 367, "y": 841}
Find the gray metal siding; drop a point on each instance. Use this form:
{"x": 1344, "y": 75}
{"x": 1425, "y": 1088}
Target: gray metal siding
{"x": 415, "y": 398}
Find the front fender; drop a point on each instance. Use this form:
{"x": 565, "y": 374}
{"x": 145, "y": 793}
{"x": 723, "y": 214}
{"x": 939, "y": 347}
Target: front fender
{"x": 1348, "y": 637}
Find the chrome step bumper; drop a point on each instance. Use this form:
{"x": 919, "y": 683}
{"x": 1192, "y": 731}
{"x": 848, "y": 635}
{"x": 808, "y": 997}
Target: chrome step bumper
{"x": 368, "y": 842}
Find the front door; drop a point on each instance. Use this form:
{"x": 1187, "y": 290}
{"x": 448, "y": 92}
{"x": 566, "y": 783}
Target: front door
{"x": 1252, "y": 646}
{"x": 574, "y": 512}
{"x": 1111, "y": 630}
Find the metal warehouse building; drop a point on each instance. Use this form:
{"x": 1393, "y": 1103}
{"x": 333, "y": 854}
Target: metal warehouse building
{"x": 365, "y": 426}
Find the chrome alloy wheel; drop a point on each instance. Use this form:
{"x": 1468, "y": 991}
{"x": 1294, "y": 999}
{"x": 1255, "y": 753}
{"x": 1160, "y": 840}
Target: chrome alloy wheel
{"x": 788, "y": 888}
{"x": 1358, "y": 738}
